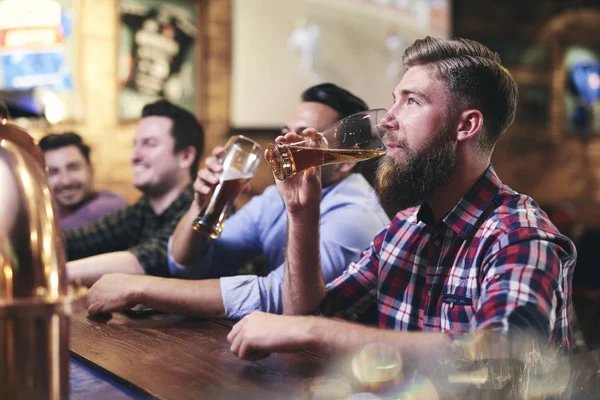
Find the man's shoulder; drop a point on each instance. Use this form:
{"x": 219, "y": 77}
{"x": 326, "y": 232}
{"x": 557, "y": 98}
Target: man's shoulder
{"x": 513, "y": 210}
{"x": 353, "y": 189}
{"x": 105, "y": 197}
{"x": 353, "y": 192}
{"x": 516, "y": 219}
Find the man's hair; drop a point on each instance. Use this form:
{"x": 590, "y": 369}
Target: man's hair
{"x": 474, "y": 78}
{"x": 4, "y": 113}
{"x": 346, "y": 104}
{"x": 186, "y": 129}
{"x": 55, "y": 141}
{"x": 341, "y": 100}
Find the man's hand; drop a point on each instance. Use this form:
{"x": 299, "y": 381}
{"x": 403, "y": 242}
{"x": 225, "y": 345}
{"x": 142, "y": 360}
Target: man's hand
{"x": 112, "y": 293}
{"x": 302, "y": 191}
{"x": 208, "y": 177}
{"x": 259, "y": 334}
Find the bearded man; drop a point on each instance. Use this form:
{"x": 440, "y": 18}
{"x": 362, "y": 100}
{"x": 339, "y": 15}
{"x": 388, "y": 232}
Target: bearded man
{"x": 465, "y": 254}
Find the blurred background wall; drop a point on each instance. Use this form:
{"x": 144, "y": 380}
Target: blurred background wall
{"x": 244, "y": 51}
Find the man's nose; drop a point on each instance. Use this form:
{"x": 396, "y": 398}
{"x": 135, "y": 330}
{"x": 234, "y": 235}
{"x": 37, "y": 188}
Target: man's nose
{"x": 389, "y": 122}
{"x": 64, "y": 179}
{"x": 136, "y": 156}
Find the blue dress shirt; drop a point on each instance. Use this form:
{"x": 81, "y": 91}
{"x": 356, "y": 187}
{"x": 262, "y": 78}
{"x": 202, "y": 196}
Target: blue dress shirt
{"x": 350, "y": 218}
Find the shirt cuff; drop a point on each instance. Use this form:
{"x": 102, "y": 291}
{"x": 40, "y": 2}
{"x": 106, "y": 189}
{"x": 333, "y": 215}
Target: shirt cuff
{"x": 241, "y": 295}
{"x": 193, "y": 271}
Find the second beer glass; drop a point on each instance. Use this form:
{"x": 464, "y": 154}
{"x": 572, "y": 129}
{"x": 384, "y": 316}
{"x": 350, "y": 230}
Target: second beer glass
{"x": 240, "y": 160}
{"x": 355, "y": 138}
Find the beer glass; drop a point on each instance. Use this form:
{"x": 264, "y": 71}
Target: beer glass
{"x": 240, "y": 160}
{"x": 354, "y": 138}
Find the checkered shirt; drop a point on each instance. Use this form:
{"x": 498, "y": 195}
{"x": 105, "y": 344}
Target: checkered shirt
{"x": 494, "y": 261}
{"x": 136, "y": 229}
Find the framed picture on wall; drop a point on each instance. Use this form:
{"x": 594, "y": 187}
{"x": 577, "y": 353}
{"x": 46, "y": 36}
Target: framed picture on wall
{"x": 156, "y": 54}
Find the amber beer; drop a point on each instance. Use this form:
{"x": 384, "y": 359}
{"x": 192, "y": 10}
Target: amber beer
{"x": 287, "y": 160}
{"x": 219, "y": 202}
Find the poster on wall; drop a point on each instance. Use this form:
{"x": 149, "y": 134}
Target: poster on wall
{"x": 156, "y": 54}
{"x": 37, "y": 57}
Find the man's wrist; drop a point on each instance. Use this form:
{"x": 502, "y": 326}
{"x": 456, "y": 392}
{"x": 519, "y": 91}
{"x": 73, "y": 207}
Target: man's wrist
{"x": 304, "y": 216}
{"x": 137, "y": 289}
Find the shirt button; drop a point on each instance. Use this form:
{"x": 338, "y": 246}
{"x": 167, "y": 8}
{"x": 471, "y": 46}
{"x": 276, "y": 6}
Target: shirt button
{"x": 429, "y": 292}
{"x": 451, "y": 305}
{"x": 437, "y": 242}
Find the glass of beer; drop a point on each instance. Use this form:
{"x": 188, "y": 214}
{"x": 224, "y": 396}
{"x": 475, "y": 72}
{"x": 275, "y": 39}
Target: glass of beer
{"x": 240, "y": 160}
{"x": 354, "y": 138}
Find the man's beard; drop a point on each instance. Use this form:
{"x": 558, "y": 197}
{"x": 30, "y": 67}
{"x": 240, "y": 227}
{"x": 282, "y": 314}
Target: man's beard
{"x": 407, "y": 183}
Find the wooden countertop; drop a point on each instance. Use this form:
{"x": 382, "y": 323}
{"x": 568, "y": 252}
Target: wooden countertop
{"x": 170, "y": 357}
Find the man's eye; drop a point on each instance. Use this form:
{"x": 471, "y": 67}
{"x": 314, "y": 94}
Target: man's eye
{"x": 411, "y": 100}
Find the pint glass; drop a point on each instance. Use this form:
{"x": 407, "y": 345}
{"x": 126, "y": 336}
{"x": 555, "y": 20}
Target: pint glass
{"x": 240, "y": 160}
{"x": 354, "y": 138}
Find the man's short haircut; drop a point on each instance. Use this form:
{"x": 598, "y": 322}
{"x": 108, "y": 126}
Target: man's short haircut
{"x": 186, "y": 130}
{"x": 55, "y": 141}
{"x": 346, "y": 104}
{"x": 341, "y": 100}
{"x": 474, "y": 78}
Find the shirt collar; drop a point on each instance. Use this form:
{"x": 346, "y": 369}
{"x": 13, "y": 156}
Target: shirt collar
{"x": 182, "y": 201}
{"x": 464, "y": 216}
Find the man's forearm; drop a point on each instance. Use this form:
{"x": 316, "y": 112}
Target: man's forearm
{"x": 345, "y": 337}
{"x": 188, "y": 245}
{"x": 193, "y": 298}
{"x": 90, "y": 269}
{"x": 304, "y": 288}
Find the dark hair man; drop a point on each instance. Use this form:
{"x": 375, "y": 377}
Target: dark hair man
{"x": 71, "y": 181}
{"x": 167, "y": 147}
{"x": 350, "y": 217}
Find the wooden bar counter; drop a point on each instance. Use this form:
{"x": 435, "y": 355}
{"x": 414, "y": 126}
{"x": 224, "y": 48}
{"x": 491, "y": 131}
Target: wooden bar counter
{"x": 169, "y": 357}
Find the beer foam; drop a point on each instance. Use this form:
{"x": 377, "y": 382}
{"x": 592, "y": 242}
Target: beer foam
{"x": 232, "y": 173}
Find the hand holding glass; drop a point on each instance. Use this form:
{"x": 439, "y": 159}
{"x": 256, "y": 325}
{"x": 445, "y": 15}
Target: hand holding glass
{"x": 240, "y": 160}
{"x": 354, "y": 138}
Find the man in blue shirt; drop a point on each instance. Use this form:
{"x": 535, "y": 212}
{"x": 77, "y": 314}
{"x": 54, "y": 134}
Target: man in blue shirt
{"x": 350, "y": 217}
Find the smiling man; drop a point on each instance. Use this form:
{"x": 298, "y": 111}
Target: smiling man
{"x": 71, "y": 181}
{"x": 167, "y": 148}
{"x": 464, "y": 255}
{"x": 350, "y": 217}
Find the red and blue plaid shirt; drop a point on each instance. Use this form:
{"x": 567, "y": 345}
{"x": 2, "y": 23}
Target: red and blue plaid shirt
{"x": 494, "y": 261}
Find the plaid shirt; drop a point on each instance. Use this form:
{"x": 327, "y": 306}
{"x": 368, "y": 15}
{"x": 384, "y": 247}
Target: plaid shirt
{"x": 494, "y": 261}
{"x": 136, "y": 229}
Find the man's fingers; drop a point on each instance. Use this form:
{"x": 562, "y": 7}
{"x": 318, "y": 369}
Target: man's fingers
{"x": 308, "y": 132}
{"x": 235, "y": 344}
{"x": 292, "y": 137}
{"x": 235, "y": 330}
{"x": 208, "y": 177}
{"x": 213, "y": 165}
{"x": 218, "y": 151}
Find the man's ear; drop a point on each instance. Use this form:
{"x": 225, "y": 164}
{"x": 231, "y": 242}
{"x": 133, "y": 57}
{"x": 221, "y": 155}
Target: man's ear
{"x": 187, "y": 157}
{"x": 470, "y": 123}
{"x": 347, "y": 167}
